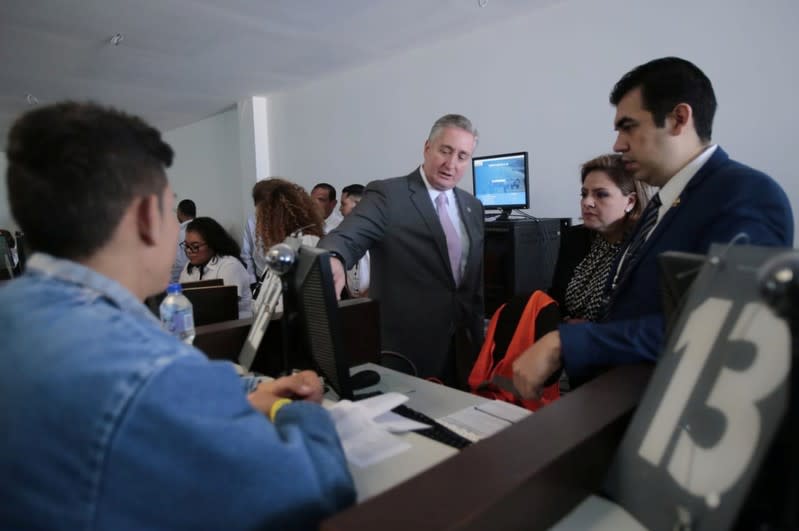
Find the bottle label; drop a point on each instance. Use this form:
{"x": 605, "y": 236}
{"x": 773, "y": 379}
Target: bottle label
{"x": 188, "y": 320}
{"x": 178, "y": 322}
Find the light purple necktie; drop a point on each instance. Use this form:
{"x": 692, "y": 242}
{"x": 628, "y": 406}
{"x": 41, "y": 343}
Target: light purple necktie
{"x": 453, "y": 240}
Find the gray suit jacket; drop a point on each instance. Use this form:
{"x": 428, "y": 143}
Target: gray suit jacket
{"x": 421, "y": 309}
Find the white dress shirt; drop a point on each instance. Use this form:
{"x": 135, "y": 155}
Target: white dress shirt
{"x": 180, "y": 258}
{"x": 333, "y": 221}
{"x": 252, "y": 252}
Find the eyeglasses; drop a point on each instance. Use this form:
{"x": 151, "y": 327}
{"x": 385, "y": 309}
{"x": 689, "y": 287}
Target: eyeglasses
{"x": 192, "y": 247}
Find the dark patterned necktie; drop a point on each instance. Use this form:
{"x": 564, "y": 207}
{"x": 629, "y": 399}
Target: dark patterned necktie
{"x": 644, "y": 227}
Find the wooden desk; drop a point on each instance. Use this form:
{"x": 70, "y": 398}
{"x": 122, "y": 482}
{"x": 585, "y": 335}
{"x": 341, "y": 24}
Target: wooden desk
{"x": 360, "y": 330}
{"x": 525, "y": 477}
{"x": 154, "y": 301}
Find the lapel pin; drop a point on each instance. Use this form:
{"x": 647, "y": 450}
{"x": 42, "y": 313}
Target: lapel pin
{"x": 676, "y": 202}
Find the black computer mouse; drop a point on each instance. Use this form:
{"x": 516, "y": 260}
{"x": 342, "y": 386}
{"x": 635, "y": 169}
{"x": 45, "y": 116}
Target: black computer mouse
{"x": 365, "y": 378}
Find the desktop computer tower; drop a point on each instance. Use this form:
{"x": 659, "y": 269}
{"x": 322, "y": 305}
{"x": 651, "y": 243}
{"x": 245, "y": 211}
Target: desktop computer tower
{"x": 519, "y": 257}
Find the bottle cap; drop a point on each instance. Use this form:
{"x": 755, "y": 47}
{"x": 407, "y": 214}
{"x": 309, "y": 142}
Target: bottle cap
{"x": 174, "y": 288}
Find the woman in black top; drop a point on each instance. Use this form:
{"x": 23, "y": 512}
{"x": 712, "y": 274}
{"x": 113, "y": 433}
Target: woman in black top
{"x": 612, "y": 201}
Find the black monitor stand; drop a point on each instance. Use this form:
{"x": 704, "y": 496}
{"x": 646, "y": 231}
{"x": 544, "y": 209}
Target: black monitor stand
{"x": 504, "y": 214}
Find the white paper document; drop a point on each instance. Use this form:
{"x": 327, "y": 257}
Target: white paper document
{"x": 483, "y": 420}
{"x": 504, "y": 410}
{"x": 366, "y": 428}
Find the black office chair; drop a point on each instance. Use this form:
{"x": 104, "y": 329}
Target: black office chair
{"x": 398, "y": 362}
{"x": 22, "y": 251}
{"x": 7, "y": 270}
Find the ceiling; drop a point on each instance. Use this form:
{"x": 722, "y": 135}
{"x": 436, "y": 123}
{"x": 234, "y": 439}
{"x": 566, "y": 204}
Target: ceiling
{"x": 179, "y": 61}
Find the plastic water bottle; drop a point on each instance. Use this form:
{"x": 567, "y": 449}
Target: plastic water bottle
{"x": 177, "y": 315}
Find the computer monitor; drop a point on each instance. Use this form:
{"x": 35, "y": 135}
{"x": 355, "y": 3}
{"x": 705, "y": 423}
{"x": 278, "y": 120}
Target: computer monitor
{"x": 303, "y": 296}
{"x": 310, "y": 308}
{"x": 501, "y": 182}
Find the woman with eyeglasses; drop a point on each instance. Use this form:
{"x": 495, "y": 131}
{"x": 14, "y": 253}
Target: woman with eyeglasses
{"x": 213, "y": 253}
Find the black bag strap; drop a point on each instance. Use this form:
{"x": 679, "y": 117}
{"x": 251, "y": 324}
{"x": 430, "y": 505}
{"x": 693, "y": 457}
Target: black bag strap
{"x": 546, "y": 321}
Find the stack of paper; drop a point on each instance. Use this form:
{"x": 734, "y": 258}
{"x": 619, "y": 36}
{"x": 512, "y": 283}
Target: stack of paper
{"x": 366, "y": 428}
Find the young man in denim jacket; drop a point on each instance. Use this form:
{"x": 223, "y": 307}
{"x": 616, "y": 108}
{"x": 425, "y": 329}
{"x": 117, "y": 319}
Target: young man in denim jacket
{"x": 108, "y": 421}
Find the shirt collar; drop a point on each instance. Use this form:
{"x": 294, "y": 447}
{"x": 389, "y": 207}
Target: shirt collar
{"x": 433, "y": 192}
{"x": 672, "y": 189}
{"x": 80, "y": 275}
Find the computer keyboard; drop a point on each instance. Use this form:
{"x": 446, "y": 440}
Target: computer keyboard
{"x": 437, "y": 432}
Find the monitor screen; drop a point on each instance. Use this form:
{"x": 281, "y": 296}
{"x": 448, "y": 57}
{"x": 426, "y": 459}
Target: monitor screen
{"x": 502, "y": 181}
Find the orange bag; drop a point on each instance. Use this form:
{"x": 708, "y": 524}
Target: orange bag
{"x": 514, "y": 326}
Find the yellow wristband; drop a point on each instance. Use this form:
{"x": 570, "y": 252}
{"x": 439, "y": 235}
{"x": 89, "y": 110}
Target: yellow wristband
{"x": 276, "y": 405}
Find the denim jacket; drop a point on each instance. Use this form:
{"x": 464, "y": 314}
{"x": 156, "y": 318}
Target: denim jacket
{"x": 108, "y": 422}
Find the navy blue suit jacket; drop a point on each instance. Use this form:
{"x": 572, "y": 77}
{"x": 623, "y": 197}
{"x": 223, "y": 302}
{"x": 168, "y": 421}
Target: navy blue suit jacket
{"x": 723, "y": 199}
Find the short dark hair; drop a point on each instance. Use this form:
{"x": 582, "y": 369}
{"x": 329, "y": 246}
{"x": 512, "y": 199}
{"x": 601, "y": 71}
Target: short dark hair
{"x": 355, "y": 190}
{"x": 217, "y": 238}
{"x": 331, "y": 192}
{"x": 188, "y": 208}
{"x": 73, "y": 170}
{"x": 664, "y": 84}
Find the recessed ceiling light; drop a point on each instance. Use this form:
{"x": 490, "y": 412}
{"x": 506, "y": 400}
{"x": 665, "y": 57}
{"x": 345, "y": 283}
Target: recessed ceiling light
{"x": 31, "y": 99}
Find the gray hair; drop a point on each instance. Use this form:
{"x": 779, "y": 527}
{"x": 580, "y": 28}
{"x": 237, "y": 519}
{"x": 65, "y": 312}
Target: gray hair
{"x": 453, "y": 120}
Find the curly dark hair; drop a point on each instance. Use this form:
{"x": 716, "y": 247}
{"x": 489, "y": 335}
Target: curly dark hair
{"x": 216, "y": 237}
{"x": 73, "y": 170}
{"x": 285, "y": 207}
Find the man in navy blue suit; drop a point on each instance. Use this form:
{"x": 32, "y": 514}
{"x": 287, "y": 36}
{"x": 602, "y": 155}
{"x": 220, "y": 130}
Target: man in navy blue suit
{"x": 664, "y": 120}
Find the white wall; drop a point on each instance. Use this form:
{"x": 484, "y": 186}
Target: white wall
{"x": 207, "y": 168}
{"x": 540, "y": 83}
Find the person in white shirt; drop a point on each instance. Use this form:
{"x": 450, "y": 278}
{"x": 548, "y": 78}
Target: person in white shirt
{"x": 358, "y": 275}
{"x": 213, "y": 253}
{"x": 186, "y": 212}
{"x": 325, "y": 197}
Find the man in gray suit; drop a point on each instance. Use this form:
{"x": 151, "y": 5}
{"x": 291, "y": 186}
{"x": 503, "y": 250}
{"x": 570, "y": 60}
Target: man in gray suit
{"x": 427, "y": 256}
